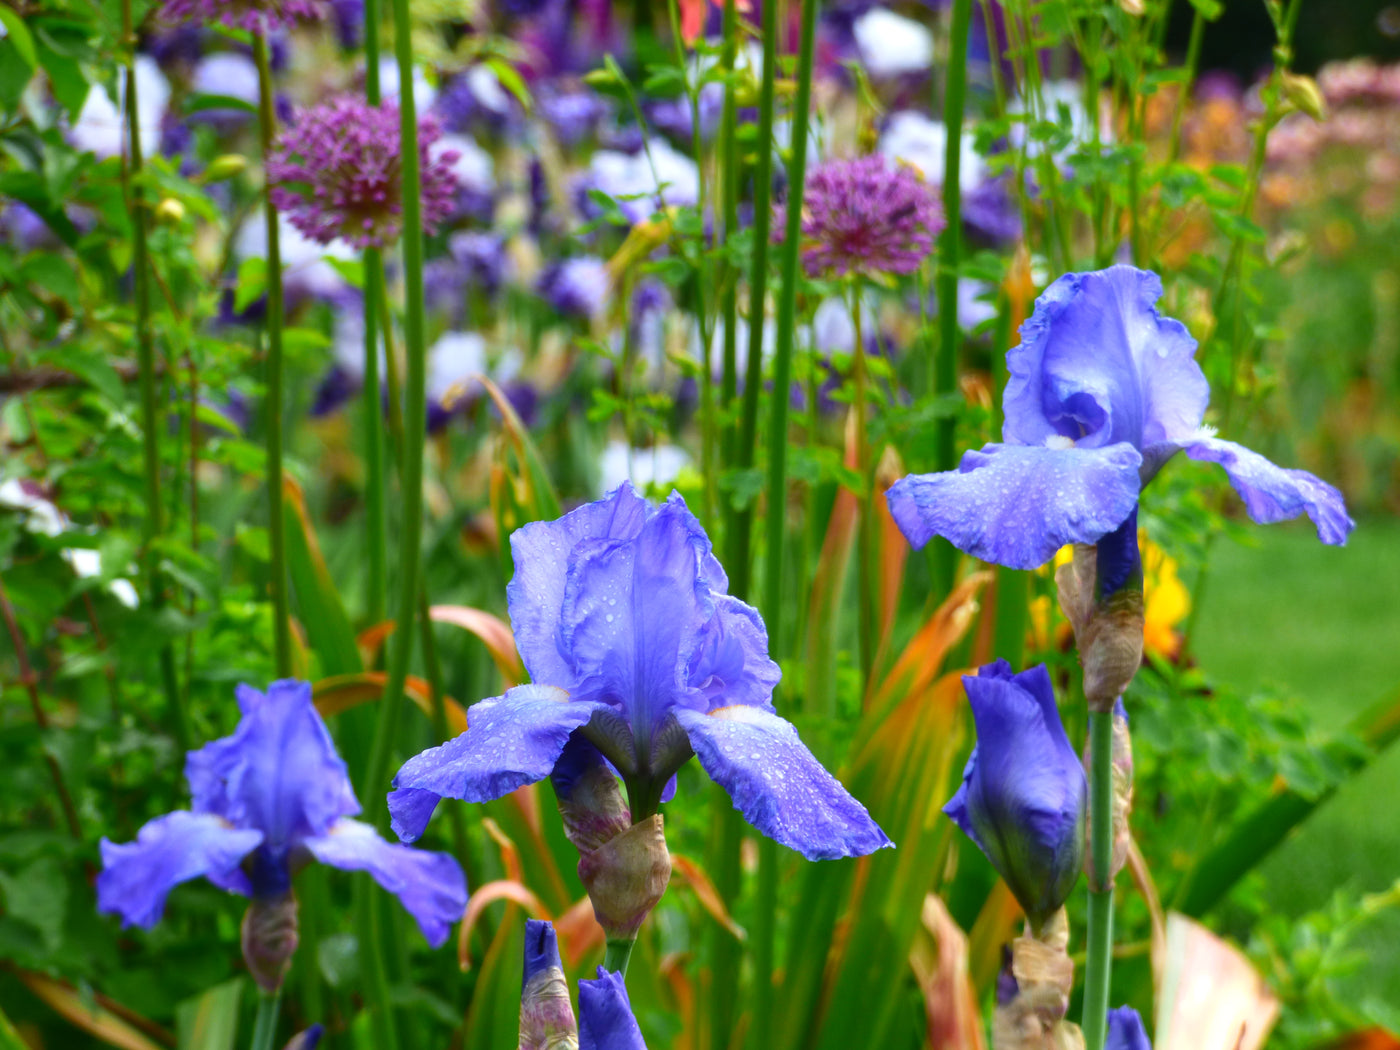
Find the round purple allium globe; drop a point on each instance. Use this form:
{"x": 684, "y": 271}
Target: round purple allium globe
{"x": 335, "y": 172}
{"x": 253, "y": 16}
{"x": 866, "y": 215}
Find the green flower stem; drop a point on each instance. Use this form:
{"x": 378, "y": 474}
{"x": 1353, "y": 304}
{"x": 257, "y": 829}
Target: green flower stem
{"x": 729, "y": 203}
{"x": 726, "y": 828}
{"x": 1099, "y": 947}
{"x": 265, "y": 1026}
{"x": 152, "y": 527}
{"x": 942, "y": 556}
{"x": 865, "y": 562}
{"x": 768, "y": 862}
{"x": 376, "y": 517}
{"x": 617, "y": 955}
{"x": 277, "y": 545}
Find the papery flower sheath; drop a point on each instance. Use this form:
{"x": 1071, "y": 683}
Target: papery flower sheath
{"x": 1022, "y": 798}
{"x": 265, "y": 802}
{"x": 546, "y": 1015}
{"x": 1103, "y": 391}
{"x": 622, "y": 619}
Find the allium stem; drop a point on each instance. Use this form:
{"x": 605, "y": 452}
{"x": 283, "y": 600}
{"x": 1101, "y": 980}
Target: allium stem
{"x": 768, "y": 861}
{"x": 865, "y": 568}
{"x": 376, "y": 519}
{"x": 281, "y": 628}
{"x": 943, "y": 557}
{"x": 145, "y": 354}
{"x": 265, "y": 1026}
{"x": 1099, "y": 948}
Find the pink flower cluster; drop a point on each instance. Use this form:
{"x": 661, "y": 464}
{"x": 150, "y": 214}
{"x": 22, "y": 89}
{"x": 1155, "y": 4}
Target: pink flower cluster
{"x": 336, "y": 173}
{"x": 254, "y": 16}
{"x": 867, "y": 215}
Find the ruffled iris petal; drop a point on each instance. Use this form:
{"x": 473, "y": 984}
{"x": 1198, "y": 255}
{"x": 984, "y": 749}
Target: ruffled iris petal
{"x": 1125, "y": 1031}
{"x": 1016, "y": 505}
{"x": 278, "y": 772}
{"x": 137, "y": 876}
{"x": 1098, "y": 364}
{"x": 541, "y": 552}
{"x": 605, "y": 1020}
{"x": 778, "y": 784}
{"x": 429, "y": 885}
{"x": 1272, "y": 493}
{"x": 511, "y": 740}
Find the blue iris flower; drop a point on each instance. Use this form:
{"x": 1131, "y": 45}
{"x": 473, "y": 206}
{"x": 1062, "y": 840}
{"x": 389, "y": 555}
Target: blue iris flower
{"x": 605, "y": 1019}
{"x": 1125, "y": 1031}
{"x": 635, "y": 649}
{"x": 1022, "y": 798}
{"x": 1103, "y": 391}
{"x": 266, "y": 801}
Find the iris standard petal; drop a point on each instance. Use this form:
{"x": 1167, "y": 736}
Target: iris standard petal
{"x": 605, "y": 1020}
{"x": 429, "y": 885}
{"x": 137, "y": 876}
{"x": 778, "y": 784}
{"x": 541, "y": 949}
{"x": 278, "y": 772}
{"x": 1125, "y": 1031}
{"x": 633, "y": 615}
{"x": 1015, "y": 505}
{"x": 731, "y": 665}
{"x": 1098, "y": 364}
{"x": 1022, "y": 800}
{"x": 1272, "y": 493}
{"x": 510, "y": 741}
{"x": 541, "y": 552}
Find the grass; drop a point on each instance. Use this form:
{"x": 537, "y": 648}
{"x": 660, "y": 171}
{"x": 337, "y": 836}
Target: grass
{"x": 1323, "y": 623}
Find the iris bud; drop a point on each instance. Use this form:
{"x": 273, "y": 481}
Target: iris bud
{"x": 626, "y": 876}
{"x": 270, "y": 938}
{"x": 546, "y": 1015}
{"x": 1101, "y": 595}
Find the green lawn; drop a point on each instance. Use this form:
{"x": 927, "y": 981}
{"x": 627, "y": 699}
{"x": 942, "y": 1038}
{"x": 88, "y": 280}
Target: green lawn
{"x": 1325, "y": 624}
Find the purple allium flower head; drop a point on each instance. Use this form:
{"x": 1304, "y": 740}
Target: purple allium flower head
{"x": 1103, "y": 391}
{"x": 336, "y": 174}
{"x": 634, "y": 647}
{"x": 578, "y": 287}
{"x": 1125, "y": 1031}
{"x": 605, "y": 1020}
{"x": 266, "y": 801}
{"x": 253, "y": 16}
{"x": 1022, "y": 798}
{"x": 864, "y": 214}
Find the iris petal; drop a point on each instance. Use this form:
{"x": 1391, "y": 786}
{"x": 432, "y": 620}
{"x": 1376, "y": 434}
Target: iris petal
{"x": 137, "y": 876}
{"x": 778, "y": 784}
{"x": 605, "y": 1020}
{"x": 429, "y": 885}
{"x": 511, "y": 740}
{"x": 1016, "y": 505}
{"x": 1272, "y": 493}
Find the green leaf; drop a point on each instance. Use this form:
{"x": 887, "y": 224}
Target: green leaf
{"x": 210, "y": 1021}
{"x": 511, "y": 80}
{"x": 252, "y": 281}
{"x": 19, "y": 36}
{"x": 319, "y": 607}
{"x": 38, "y": 896}
{"x": 66, "y": 78}
{"x": 202, "y": 103}
{"x": 52, "y": 274}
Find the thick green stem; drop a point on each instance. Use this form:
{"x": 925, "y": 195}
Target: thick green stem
{"x": 865, "y": 562}
{"x": 943, "y": 558}
{"x": 277, "y": 545}
{"x": 150, "y": 411}
{"x": 617, "y": 955}
{"x": 376, "y": 517}
{"x": 765, "y": 937}
{"x": 1099, "y": 947}
{"x": 265, "y": 1026}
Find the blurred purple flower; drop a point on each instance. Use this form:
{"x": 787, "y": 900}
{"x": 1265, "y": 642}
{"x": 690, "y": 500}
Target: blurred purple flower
{"x": 266, "y": 801}
{"x": 482, "y": 257}
{"x": 864, "y": 215}
{"x": 1125, "y": 1031}
{"x": 349, "y": 18}
{"x": 622, "y": 619}
{"x": 253, "y": 16}
{"x": 1022, "y": 798}
{"x": 675, "y": 117}
{"x": 336, "y": 174}
{"x": 1103, "y": 391}
{"x": 574, "y": 112}
{"x": 580, "y": 287}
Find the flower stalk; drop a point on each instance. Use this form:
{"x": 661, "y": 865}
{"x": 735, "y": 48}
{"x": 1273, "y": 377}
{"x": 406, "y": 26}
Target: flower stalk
{"x": 265, "y": 1026}
{"x": 1098, "y": 962}
{"x": 277, "y": 544}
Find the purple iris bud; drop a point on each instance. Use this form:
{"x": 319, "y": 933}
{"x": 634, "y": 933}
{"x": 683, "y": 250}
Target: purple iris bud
{"x": 622, "y": 617}
{"x": 546, "y": 1015}
{"x": 1103, "y": 391}
{"x": 1125, "y": 1031}
{"x": 605, "y": 1020}
{"x": 1022, "y": 799}
{"x": 265, "y": 802}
